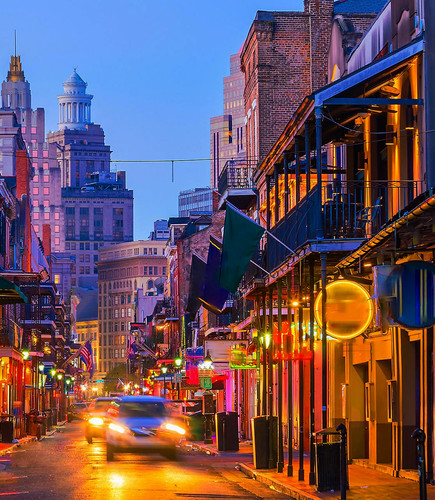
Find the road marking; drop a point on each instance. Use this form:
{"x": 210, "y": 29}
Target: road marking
{"x": 14, "y": 493}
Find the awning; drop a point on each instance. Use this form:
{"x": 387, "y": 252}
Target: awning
{"x": 10, "y": 293}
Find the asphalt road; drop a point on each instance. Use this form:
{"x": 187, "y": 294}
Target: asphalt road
{"x": 65, "y": 466}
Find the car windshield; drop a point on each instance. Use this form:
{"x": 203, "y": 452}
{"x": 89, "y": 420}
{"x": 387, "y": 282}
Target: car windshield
{"x": 142, "y": 409}
{"x": 102, "y": 405}
{"x": 78, "y": 406}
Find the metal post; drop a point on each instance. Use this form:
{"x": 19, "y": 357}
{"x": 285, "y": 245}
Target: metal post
{"x": 267, "y": 202}
{"x": 276, "y": 180}
{"x": 272, "y": 463}
{"x": 164, "y": 385}
{"x": 301, "y": 473}
{"x": 312, "y": 475}
{"x": 264, "y": 398}
{"x": 298, "y": 168}
{"x": 341, "y": 428}
{"x": 289, "y": 349}
{"x": 257, "y": 304}
{"x": 286, "y": 187}
{"x": 324, "y": 344}
{"x": 307, "y": 156}
{"x": 318, "y": 113}
{"x": 420, "y": 438}
{"x": 280, "y": 462}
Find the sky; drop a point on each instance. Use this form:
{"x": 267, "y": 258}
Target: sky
{"x": 155, "y": 69}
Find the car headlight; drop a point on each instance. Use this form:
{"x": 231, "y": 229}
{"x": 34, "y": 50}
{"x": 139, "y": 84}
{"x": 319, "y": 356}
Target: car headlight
{"x": 174, "y": 428}
{"x": 96, "y": 421}
{"x": 116, "y": 428}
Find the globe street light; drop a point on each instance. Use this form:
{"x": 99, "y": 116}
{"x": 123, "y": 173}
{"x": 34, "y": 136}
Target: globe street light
{"x": 164, "y": 370}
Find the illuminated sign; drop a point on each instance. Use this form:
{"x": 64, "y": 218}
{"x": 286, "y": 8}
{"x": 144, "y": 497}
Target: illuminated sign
{"x": 349, "y": 309}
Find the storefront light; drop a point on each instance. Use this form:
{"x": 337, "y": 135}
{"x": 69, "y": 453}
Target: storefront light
{"x": 25, "y": 354}
{"x": 41, "y": 367}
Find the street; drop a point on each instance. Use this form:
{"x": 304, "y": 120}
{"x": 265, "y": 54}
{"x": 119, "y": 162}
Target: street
{"x": 64, "y": 466}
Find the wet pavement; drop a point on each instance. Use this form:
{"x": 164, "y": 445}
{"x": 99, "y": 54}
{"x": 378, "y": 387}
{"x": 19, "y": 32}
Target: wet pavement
{"x": 65, "y": 466}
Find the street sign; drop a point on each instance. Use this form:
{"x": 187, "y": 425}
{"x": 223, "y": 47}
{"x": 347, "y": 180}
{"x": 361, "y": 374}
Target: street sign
{"x": 205, "y": 382}
{"x": 177, "y": 378}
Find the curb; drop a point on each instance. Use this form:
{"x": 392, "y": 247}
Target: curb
{"x": 25, "y": 440}
{"x": 291, "y": 491}
{"x": 201, "y": 447}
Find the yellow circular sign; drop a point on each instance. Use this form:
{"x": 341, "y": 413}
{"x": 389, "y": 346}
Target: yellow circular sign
{"x": 349, "y": 309}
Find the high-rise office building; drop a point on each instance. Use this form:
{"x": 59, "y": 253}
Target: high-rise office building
{"x": 195, "y": 200}
{"x": 227, "y": 132}
{"x": 45, "y": 186}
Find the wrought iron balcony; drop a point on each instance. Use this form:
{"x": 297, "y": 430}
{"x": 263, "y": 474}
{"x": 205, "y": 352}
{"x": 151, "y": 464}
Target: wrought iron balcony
{"x": 11, "y": 334}
{"x": 349, "y": 210}
{"x": 236, "y": 184}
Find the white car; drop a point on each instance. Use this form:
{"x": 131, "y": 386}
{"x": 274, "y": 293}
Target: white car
{"x": 142, "y": 424}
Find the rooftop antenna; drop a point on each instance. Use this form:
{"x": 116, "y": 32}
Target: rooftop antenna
{"x": 15, "y": 35}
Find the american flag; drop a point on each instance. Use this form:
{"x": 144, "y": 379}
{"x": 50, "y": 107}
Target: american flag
{"x": 87, "y": 358}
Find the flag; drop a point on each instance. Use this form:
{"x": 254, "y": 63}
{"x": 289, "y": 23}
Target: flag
{"x": 131, "y": 348}
{"x": 241, "y": 238}
{"x": 119, "y": 384}
{"x": 197, "y": 273}
{"x": 87, "y": 358}
{"x": 213, "y": 296}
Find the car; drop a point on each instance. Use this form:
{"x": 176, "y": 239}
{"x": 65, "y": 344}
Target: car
{"x": 76, "y": 411}
{"x": 142, "y": 424}
{"x": 96, "y": 419}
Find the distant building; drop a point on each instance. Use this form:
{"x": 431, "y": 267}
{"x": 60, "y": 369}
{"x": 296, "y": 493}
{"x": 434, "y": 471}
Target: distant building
{"x": 86, "y": 320}
{"x": 45, "y": 180}
{"x": 161, "y": 230}
{"x": 123, "y": 269}
{"x": 195, "y": 200}
{"x": 227, "y": 132}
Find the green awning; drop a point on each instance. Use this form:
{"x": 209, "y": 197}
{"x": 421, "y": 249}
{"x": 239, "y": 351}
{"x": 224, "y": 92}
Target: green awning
{"x": 11, "y": 293}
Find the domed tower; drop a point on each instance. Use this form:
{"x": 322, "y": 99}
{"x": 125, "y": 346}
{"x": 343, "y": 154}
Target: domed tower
{"x": 74, "y": 104}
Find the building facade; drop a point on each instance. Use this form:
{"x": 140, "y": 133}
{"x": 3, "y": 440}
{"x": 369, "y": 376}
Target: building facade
{"x": 227, "y": 132}
{"x": 122, "y": 270}
{"x": 195, "y": 200}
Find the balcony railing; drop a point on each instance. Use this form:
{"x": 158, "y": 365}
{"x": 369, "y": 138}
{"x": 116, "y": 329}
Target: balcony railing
{"x": 11, "y": 334}
{"x": 236, "y": 174}
{"x": 350, "y": 209}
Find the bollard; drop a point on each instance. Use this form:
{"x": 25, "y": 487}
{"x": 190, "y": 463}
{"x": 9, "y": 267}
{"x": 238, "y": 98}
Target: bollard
{"x": 341, "y": 428}
{"x": 420, "y": 438}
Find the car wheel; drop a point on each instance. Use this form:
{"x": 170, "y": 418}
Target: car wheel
{"x": 109, "y": 453}
{"x": 89, "y": 438}
{"x": 170, "y": 454}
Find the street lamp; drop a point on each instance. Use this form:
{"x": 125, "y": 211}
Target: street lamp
{"x": 41, "y": 367}
{"x": 208, "y": 362}
{"x": 207, "y": 402}
{"x": 52, "y": 372}
{"x": 178, "y": 361}
{"x": 164, "y": 370}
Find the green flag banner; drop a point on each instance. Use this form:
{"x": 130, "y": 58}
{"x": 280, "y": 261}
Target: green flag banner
{"x": 241, "y": 238}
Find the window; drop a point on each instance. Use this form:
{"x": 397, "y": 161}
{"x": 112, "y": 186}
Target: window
{"x": 57, "y": 229}
{"x": 33, "y": 130}
{"x": 36, "y": 178}
{"x": 164, "y": 270}
{"x": 46, "y": 178}
{"x": 57, "y": 215}
{"x": 155, "y": 271}
{"x": 46, "y": 215}
{"x": 67, "y": 246}
{"x": 155, "y": 251}
{"x": 57, "y": 241}
{"x": 46, "y": 203}
{"x": 81, "y": 258}
{"x": 45, "y": 155}
{"x": 45, "y": 165}
{"x": 145, "y": 270}
{"x": 87, "y": 270}
{"x": 35, "y": 215}
{"x": 36, "y": 228}
{"x": 46, "y": 191}
{"x": 36, "y": 190}
{"x": 150, "y": 270}
{"x": 123, "y": 312}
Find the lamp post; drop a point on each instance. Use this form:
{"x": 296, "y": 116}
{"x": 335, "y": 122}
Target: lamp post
{"x": 164, "y": 370}
{"x": 207, "y": 402}
{"x": 178, "y": 361}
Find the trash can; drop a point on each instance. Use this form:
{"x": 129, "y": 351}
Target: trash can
{"x": 220, "y": 429}
{"x": 328, "y": 466}
{"x": 262, "y": 449}
{"x": 196, "y": 425}
{"x": 227, "y": 431}
{"x": 7, "y": 431}
{"x": 48, "y": 419}
{"x": 41, "y": 419}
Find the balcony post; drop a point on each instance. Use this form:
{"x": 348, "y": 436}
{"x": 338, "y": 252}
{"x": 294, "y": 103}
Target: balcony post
{"x": 278, "y": 349}
{"x": 307, "y": 156}
{"x": 264, "y": 398}
{"x": 312, "y": 475}
{"x": 276, "y": 180}
{"x": 286, "y": 187}
{"x": 268, "y": 202}
{"x": 301, "y": 473}
{"x": 323, "y": 257}
{"x": 272, "y": 464}
{"x": 298, "y": 168}
{"x": 289, "y": 351}
{"x": 318, "y": 113}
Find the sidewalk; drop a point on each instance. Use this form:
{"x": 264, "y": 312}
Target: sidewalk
{"x": 6, "y": 448}
{"x": 365, "y": 484}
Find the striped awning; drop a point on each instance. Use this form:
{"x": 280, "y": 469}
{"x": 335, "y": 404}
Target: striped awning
{"x": 11, "y": 293}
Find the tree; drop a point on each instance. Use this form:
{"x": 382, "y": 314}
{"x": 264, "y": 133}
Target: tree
{"x": 111, "y": 381}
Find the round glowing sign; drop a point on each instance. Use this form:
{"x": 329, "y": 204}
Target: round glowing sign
{"x": 349, "y": 309}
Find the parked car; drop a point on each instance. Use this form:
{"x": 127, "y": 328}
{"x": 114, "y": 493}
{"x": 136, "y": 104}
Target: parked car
{"x": 76, "y": 411}
{"x": 142, "y": 424}
{"x": 96, "y": 421}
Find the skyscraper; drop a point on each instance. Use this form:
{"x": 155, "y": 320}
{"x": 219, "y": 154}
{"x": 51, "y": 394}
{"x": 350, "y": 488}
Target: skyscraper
{"x": 227, "y": 132}
{"x": 98, "y": 206}
{"x": 45, "y": 186}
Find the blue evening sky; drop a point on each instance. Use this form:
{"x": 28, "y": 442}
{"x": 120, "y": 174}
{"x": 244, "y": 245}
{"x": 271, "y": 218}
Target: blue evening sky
{"x": 155, "y": 69}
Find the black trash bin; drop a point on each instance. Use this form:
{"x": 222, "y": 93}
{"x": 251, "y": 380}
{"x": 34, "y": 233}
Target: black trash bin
{"x": 196, "y": 425}
{"x": 263, "y": 450}
{"x": 220, "y": 429}
{"x": 42, "y": 420}
{"x": 48, "y": 420}
{"x": 54, "y": 416}
{"x": 7, "y": 431}
{"x": 328, "y": 466}
{"x": 231, "y": 431}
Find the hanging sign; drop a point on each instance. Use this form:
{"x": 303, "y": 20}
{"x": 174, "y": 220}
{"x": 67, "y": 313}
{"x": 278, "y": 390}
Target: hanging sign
{"x": 349, "y": 309}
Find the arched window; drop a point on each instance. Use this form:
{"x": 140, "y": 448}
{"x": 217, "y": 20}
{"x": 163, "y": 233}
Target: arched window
{"x": 150, "y": 284}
